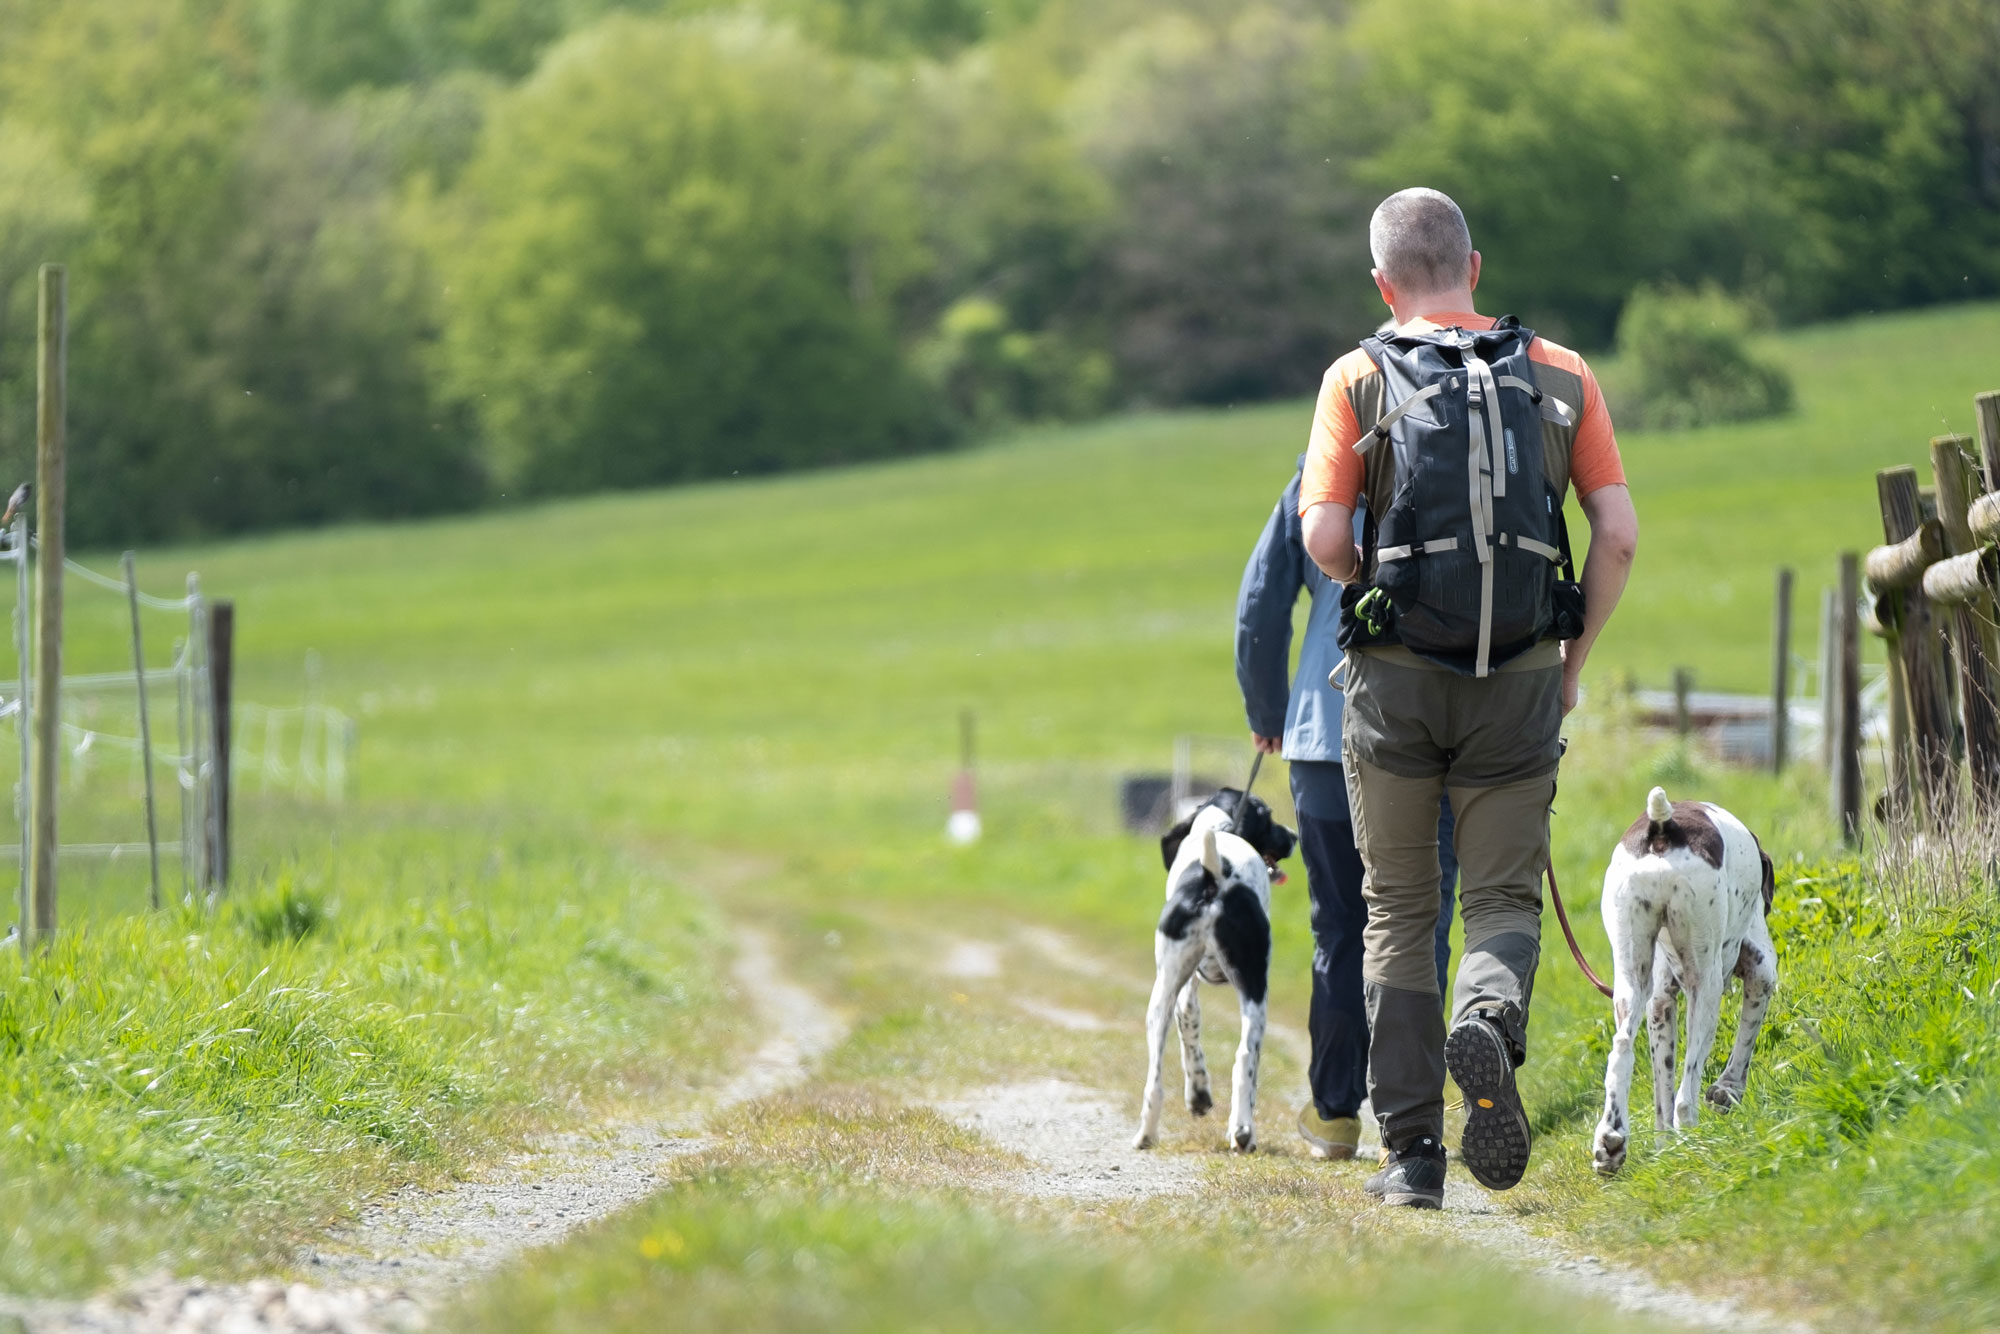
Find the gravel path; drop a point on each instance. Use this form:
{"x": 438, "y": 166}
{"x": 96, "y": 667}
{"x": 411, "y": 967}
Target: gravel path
{"x": 1079, "y": 1139}
{"x": 413, "y": 1248}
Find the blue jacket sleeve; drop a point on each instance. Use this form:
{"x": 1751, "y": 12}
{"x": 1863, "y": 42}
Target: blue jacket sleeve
{"x": 1270, "y": 589}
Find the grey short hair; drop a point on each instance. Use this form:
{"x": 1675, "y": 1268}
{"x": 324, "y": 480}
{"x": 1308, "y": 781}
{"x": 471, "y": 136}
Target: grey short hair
{"x": 1419, "y": 239}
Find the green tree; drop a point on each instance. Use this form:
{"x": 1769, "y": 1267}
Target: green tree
{"x": 1540, "y": 122}
{"x": 675, "y": 256}
{"x": 1238, "y": 265}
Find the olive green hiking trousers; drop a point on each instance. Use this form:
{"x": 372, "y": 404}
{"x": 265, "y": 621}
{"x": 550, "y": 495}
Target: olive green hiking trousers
{"x": 1414, "y": 731}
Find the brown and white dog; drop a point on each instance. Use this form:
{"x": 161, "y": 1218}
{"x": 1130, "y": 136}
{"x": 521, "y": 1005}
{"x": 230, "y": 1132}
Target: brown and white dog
{"x": 1685, "y": 899}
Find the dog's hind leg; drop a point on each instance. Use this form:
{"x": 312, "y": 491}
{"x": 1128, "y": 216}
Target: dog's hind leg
{"x": 1632, "y": 928}
{"x": 1175, "y": 962}
{"x": 1243, "y": 1085}
{"x": 1757, "y": 965}
{"x": 1705, "y": 978}
{"x": 1663, "y": 1023}
{"x": 1193, "y": 1065}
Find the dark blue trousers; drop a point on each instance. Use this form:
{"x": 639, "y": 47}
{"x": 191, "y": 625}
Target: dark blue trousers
{"x": 1338, "y": 1017}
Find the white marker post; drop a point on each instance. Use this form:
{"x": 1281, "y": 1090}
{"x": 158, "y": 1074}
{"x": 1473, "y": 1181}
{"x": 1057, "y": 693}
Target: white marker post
{"x": 963, "y": 827}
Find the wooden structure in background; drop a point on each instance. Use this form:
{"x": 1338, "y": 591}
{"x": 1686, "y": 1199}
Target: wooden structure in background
{"x": 1932, "y": 597}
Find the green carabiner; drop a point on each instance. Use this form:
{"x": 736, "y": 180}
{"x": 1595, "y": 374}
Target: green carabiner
{"x": 1372, "y": 610}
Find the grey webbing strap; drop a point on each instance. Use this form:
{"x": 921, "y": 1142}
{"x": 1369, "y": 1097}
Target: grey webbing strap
{"x": 1552, "y": 408}
{"x": 1380, "y": 432}
{"x": 1404, "y": 552}
{"x": 1484, "y": 665}
{"x": 1539, "y": 548}
{"x": 1483, "y": 394}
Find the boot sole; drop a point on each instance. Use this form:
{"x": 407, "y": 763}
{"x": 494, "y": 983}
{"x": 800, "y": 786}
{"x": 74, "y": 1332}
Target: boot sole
{"x": 1414, "y": 1199}
{"x": 1496, "y": 1142}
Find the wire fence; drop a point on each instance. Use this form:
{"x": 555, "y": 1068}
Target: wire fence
{"x": 123, "y": 757}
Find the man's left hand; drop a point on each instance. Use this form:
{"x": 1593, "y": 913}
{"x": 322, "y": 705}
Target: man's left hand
{"x": 1269, "y": 745}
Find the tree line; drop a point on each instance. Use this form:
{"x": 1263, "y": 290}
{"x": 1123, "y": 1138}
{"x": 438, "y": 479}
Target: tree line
{"x": 335, "y": 258}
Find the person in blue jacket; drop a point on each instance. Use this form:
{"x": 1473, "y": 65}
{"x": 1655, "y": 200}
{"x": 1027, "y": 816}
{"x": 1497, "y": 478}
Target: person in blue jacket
{"x": 1297, "y": 716}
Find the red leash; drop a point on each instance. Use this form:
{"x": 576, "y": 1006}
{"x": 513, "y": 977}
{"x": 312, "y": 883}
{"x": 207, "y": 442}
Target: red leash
{"x": 1575, "y": 952}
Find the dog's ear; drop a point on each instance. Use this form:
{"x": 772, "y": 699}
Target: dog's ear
{"x": 1770, "y": 880}
{"x": 1170, "y": 842}
{"x": 1283, "y": 841}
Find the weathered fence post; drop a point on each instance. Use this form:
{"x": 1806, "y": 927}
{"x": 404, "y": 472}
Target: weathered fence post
{"x": 1986, "y": 407}
{"x": 145, "y": 725}
{"x": 1961, "y": 584}
{"x": 1781, "y": 670}
{"x": 51, "y": 383}
{"x": 1846, "y": 784}
{"x": 1829, "y": 674}
{"x": 221, "y": 672}
{"x": 1683, "y": 717}
{"x": 1926, "y": 686}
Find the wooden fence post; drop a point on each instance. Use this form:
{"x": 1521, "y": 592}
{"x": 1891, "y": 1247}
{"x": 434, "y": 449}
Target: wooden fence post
{"x": 1846, "y": 784}
{"x": 1829, "y": 676}
{"x": 221, "y": 674}
{"x": 1781, "y": 670}
{"x": 1971, "y": 616}
{"x": 1918, "y": 640}
{"x": 51, "y": 383}
{"x": 1683, "y": 717}
{"x": 1986, "y": 407}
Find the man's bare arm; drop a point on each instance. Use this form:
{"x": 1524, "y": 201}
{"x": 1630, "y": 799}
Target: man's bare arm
{"x": 1329, "y": 535}
{"x": 1614, "y": 538}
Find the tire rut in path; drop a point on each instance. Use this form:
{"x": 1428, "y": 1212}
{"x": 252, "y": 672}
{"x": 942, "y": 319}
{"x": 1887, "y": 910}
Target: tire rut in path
{"x": 407, "y": 1253}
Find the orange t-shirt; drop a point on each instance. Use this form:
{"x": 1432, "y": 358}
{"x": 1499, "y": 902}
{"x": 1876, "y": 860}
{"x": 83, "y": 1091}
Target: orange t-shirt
{"x": 1334, "y": 472}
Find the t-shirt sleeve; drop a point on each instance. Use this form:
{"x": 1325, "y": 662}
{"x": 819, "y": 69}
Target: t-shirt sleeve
{"x": 1333, "y": 471}
{"x": 1594, "y": 462}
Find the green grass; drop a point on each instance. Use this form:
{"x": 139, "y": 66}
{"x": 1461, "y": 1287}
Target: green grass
{"x": 571, "y": 715}
{"x": 208, "y": 1090}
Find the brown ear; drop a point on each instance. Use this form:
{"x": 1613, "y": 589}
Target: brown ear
{"x": 1170, "y": 842}
{"x": 1770, "y": 880}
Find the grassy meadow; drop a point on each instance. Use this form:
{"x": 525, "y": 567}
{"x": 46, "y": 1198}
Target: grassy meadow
{"x": 592, "y": 732}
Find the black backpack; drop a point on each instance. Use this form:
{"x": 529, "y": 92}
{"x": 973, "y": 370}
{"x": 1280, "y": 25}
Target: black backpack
{"x": 1469, "y": 566}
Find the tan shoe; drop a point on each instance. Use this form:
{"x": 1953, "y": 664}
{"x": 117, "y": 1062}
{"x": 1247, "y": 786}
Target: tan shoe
{"x": 1335, "y": 1138}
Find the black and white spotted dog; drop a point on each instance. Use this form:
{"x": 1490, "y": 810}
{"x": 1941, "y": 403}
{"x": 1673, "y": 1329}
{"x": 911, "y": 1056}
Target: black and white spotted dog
{"x": 1216, "y": 928}
{"x": 1685, "y": 899}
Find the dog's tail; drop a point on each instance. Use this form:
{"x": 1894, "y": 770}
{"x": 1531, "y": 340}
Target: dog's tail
{"x": 1211, "y": 859}
{"x": 1658, "y": 809}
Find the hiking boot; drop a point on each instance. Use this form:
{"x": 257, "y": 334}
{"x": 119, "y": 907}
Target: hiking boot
{"x": 1412, "y": 1176}
{"x": 1329, "y": 1136}
{"x": 1496, "y": 1141}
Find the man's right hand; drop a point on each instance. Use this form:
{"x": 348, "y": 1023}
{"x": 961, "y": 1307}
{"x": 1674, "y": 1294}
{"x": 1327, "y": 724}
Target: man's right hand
{"x": 1269, "y": 745}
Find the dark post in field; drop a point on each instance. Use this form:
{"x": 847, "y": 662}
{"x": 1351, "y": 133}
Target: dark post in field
{"x": 1960, "y": 583}
{"x": 145, "y": 727}
{"x": 221, "y": 671}
{"x": 1829, "y": 673}
{"x": 1781, "y": 670}
{"x": 51, "y": 374}
{"x": 1683, "y": 687}
{"x": 1918, "y": 639}
{"x": 1846, "y": 784}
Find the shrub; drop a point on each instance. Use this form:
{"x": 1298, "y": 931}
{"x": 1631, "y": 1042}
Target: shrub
{"x": 1688, "y": 364}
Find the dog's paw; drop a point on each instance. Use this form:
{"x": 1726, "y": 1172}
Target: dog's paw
{"x": 1609, "y": 1153}
{"x": 1143, "y": 1140}
{"x": 1724, "y": 1098}
{"x": 1200, "y": 1101}
{"x": 1243, "y": 1140}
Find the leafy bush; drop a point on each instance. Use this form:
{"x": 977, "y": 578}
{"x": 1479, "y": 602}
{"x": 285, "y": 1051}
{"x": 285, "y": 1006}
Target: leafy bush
{"x": 1686, "y": 354}
{"x": 992, "y": 373}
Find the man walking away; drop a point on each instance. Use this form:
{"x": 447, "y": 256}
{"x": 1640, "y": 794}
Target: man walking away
{"x": 1300, "y": 720}
{"x": 1465, "y": 649}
